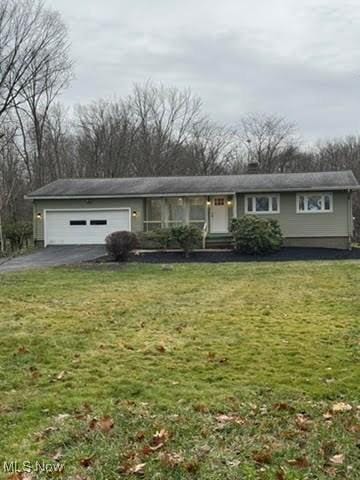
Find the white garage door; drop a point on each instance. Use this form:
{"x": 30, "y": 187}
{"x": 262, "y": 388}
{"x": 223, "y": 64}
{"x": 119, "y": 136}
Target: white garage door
{"x": 76, "y": 227}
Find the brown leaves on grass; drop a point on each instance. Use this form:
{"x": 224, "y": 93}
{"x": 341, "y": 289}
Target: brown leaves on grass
{"x": 34, "y": 373}
{"x": 159, "y": 439}
{"x": 21, "y": 476}
{"x": 161, "y": 348}
{"x": 303, "y": 422}
{"x": 22, "y": 350}
{"x": 354, "y": 428}
{"x": 171, "y": 460}
{"x": 341, "y": 407}
{"x": 104, "y": 424}
{"x": 300, "y": 462}
{"x": 228, "y": 419}
{"x": 133, "y": 468}
{"x": 87, "y": 462}
{"x": 283, "y": 407}
{"x": 263, "y": 457}
{"x": 213, "y": 358}
{"x": 337, "y": 459}
{"x": 58, "y": 456}
{"x": 45, "y": 433}
{"x": 61, "y": 375}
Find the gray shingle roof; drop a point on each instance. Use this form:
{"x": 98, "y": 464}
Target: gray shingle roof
{"x": 132, "y": 187}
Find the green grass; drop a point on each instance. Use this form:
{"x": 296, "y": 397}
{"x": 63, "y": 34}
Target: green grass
{"x": 158, "y": 348}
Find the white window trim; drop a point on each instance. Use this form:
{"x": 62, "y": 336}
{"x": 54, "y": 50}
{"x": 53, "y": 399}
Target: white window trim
{"x": 309, "y": 212}
{"x": 269, "y": 196}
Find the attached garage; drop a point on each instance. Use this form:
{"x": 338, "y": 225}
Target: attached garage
{"x": 83, "y": 226}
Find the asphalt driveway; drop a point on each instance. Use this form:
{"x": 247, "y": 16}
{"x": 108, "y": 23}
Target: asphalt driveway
{"x": 52, "y": 257}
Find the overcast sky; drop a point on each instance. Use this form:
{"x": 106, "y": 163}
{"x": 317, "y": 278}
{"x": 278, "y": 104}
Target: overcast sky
{"x": 295, "y": 58}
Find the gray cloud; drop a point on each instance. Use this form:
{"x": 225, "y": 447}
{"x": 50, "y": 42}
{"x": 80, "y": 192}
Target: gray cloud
{"x": 299, "y": 61}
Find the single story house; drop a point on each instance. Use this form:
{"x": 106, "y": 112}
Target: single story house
{"x": 314, "y": 209}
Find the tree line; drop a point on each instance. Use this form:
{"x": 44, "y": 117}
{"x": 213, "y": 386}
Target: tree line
{"x": 154, "y": 131}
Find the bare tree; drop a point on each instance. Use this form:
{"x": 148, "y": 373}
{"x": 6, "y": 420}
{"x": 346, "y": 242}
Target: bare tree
{"x": 105, "y": 135}
{"x": 341, "y": 154}
{"x": 213, "y": 149}
{"x": 163, "y": 120}
{"x": 29, "y": 36}
{"x": 49, "y": 73}
{"x": 10, "y": 179}
{"x": 269, "y": 140}
{"x": 59, "y": 144}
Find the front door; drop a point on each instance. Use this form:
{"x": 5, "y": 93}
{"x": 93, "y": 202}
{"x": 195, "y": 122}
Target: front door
{"x": 219, "y": 215}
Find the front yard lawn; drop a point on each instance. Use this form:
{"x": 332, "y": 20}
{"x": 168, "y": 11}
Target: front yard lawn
{"x": 236, "y": 371}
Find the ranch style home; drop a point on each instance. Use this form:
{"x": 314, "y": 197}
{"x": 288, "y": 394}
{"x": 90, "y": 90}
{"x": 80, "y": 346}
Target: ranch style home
{"x": 313, "y": 209}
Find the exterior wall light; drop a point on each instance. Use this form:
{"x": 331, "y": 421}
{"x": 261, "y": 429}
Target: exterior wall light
{"x": 208, "y": 203}
{"x": 229, "y": 202}
{"x": 38, "y": 216}
{"x": 134, "y": 213}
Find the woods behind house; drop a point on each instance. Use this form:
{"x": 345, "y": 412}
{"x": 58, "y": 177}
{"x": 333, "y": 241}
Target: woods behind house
{"x": 154, "y": 131}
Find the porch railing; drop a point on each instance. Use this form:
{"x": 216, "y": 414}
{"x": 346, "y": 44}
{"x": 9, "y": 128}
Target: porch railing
{"x": 205, "y": 232}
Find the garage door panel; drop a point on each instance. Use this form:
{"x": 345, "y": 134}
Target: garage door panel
{"x": 83, "y": 227}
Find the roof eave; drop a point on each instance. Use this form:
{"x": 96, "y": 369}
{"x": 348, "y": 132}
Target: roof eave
{"x": 144, "y": 195}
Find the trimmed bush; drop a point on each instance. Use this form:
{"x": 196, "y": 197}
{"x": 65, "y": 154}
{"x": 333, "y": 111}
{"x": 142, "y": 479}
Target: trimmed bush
{"x": 187, "y": 237}
{"x": 119, "y": 245}
{"x": 160, "y": 238}
{"x": 17, "y": 234}
{"x": 256, "y": 236}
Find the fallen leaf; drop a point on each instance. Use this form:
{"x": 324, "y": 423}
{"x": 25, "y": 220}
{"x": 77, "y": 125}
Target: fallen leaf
{"x": 22, "y": 350}
{"x": 160, "y": 348}
{"x": 61, "y": 375}
{"x": 20, "y": 476}
{"x": 224, "y": 419}
{"x": 192, "y": 467}
{"x": 146, "y": 451}
{"x": 45, "y": 433}
{"x": 328, "y": 416}
{"x": 171, "y": 459}
{"x": 282, "y": 406}
{"x": 62, "y": 417}
{"x": 300, "y": 462}
{"x": 133, "y": 469}
{"x": 303, "y": 422}
{"x": 337, "y": 459}
{"x": 355, "y": 428}
{"x": 341, "y": 407}
{"x": 159, "y": 439}
{"x": 104, "y": 424}
{"x": 139, "y": 437}
{"x": 86, "y": 462}
{"x": 58, "y": 456}
{"x": 280, "y": 475}
{"x": 34, "y": 372}
{"x": 263, "y": 457}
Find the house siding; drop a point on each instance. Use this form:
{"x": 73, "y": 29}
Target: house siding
{"x": 331, "y": 229}
{"x": 135, "y": 204}
{"x": 312, "y": 225}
